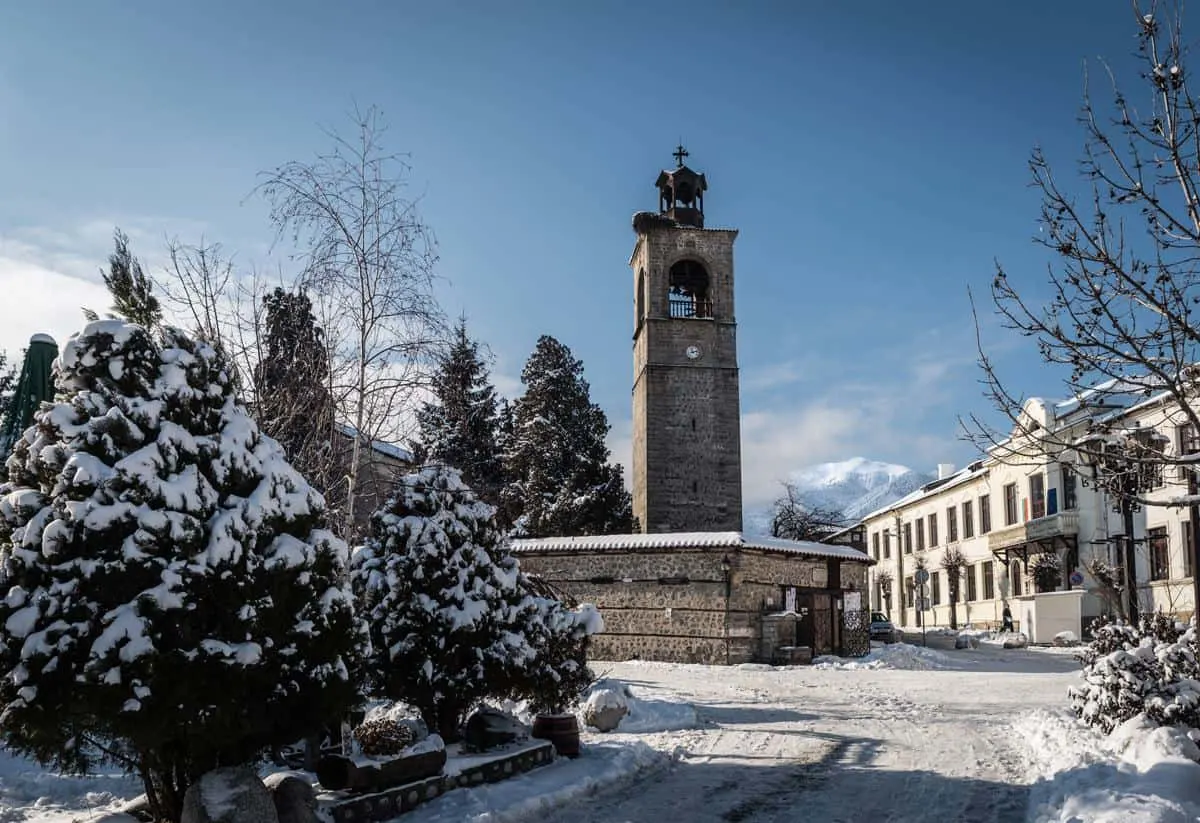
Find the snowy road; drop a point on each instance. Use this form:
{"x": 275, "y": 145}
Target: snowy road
{"x": 833, "y": 745}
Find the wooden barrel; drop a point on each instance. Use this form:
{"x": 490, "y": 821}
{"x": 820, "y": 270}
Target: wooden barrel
{"x": 560, "y": 729}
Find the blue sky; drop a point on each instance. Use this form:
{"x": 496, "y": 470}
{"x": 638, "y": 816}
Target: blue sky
{"x": 872, "y": 155}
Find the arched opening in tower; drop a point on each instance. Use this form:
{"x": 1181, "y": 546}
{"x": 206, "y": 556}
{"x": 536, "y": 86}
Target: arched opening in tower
{"x": 688, "y": 294}
{"x": 640, "y": 307}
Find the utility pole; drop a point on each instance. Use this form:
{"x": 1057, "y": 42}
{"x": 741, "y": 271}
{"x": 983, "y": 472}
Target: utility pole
{"x": 1194, "y": 548}
{"x": 1130, "y": 560}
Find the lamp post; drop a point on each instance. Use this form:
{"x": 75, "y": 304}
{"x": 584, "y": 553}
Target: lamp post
{"x": 1126, "y": 464}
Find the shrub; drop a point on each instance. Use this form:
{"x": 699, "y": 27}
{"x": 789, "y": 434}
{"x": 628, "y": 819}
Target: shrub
{"x": 1149, "y": 669}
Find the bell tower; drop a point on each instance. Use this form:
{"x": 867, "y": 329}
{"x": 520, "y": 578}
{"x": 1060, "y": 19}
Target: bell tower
{"x": 687, "y": 472}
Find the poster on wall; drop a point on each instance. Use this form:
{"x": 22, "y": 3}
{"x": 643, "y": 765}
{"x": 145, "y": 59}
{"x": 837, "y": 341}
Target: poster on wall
{"x": 789, "y": 599}
{"x": 853, "y": 601}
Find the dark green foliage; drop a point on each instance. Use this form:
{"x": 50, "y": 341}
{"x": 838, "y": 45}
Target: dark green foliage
{"x": 461, "y": 426}
{"x": 171, "y": 602}
{"x": 293, "y": 403}
{"x": 560, "y": 480}
{"x": 131, "y": 290}
{"x": 553, "y": 680}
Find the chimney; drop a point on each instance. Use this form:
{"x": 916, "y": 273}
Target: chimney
{"x": 944, "y": 470}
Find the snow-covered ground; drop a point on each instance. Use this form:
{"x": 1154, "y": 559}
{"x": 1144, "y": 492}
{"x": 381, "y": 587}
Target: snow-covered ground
{"x": 908, "y": 735}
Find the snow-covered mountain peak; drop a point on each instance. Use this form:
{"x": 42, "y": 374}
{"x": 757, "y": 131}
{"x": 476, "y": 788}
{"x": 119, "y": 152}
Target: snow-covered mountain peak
{"x": 856, "y": 486}
{"x": 861, "y": 470}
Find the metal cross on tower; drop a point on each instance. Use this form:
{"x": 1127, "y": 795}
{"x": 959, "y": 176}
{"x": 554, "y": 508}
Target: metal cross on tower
{"x": 680, "y": 153}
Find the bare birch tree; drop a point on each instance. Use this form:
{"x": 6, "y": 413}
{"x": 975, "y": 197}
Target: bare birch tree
{"x": 367, "y": 259}
{"x": 1124, "y": 280}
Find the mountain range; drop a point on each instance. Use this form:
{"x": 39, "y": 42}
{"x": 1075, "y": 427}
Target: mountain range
{"x": 854, "y": 487}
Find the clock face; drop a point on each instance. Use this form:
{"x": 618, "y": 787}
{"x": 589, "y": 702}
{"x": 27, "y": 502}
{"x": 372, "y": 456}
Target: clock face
{"x": 693, "y": 352}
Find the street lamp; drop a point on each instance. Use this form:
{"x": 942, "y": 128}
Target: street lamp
{"x": 1126, "y": 463}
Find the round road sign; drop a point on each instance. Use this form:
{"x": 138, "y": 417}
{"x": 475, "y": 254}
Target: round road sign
{"x": 921, "y": 576}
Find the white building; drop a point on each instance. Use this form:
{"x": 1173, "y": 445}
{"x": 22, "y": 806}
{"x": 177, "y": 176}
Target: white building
{"x": 1026, "y": 505}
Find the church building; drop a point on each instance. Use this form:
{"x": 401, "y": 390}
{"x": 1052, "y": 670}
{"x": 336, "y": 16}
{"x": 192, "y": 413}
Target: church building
{"x": 691, "y": 586}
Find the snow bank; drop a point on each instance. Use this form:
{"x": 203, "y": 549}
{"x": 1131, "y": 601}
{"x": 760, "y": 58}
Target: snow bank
{"x": 1005, "y": 640}
{"x": 29, "y": 792}
{"x": 892, "y": 656}
{"x": 645, "y": 716}
{"x": 530, "y": 796}
{"x": 1138, "y": 774}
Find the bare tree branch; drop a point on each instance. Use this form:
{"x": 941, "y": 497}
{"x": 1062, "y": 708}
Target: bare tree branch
{"x": 368, "y": 262}
{"x": 1124, "y": 282}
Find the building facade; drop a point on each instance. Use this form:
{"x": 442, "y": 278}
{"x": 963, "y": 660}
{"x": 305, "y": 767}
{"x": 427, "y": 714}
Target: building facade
{"x": 708, "y": 597}
{"x": 1032, "y": 533}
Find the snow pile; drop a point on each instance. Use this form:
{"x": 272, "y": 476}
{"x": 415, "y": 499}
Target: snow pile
{"x": 607, "y": 697}
{"x": 1139, "y": 773}
{"x": 646, "y": 716}
{"x": 892, "y": 656}
{"x": 29, "y": 791}
{"x": 533, "y": 795}
{"x": 1004, "y": 640}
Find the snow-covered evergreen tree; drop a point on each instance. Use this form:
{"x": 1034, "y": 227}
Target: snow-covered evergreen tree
{"x": 556, "y": 673}
{"x": 442, "y": 598}
{"x": 561, "y": 482}
{"x": 461, "y": 426}
{"x": 171, "y": 601}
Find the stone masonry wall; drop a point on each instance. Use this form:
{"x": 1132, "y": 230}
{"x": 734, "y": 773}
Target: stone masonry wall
{"x": 671, "y": 605}
{"x": 686, "y": 412}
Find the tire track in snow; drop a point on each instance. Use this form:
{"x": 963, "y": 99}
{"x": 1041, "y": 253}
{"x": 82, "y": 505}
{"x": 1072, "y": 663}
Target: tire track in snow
{"x": 837, "y": 746}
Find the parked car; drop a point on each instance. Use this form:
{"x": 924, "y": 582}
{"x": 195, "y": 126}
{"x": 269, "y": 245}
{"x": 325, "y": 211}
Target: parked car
{"x": 882, "y": 628}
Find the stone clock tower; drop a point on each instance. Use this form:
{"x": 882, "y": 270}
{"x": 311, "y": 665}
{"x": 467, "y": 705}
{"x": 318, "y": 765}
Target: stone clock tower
{"x": 687, "y": 472}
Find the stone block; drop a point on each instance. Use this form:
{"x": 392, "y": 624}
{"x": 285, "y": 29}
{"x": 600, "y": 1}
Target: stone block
{"x": 229, "y": 795}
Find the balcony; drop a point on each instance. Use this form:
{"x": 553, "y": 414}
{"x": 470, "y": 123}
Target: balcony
{"x": 698, "y": 309}
{"x": 1046, "y": 531}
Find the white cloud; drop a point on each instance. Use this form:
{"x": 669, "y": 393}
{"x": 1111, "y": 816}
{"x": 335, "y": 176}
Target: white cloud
{"x": 776, "y": 375}
{"x": 40, "y": 300}
{"x": 777, "y": 442}
{"x": 48, "y": 274}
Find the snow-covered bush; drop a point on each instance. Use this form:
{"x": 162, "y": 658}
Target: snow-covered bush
{"x": 1151, "y": 669}
{"x": 170, "y": 600}
{"x": 557, "y": 674}
{"x": 442, "y": 599}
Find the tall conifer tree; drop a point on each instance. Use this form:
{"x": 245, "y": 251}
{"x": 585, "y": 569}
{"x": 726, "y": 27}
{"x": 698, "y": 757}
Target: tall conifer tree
{"x": 461, "y": 426}
{"x": 561, "y": 481}
{"x": 293, "y": 403}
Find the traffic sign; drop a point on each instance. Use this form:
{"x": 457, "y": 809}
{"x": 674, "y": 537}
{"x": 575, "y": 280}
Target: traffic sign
{"x": 1076, "y": 578}
{"x": 922, "y": 576}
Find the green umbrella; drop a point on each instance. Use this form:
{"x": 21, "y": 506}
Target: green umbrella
{"x": 34, "y": 386}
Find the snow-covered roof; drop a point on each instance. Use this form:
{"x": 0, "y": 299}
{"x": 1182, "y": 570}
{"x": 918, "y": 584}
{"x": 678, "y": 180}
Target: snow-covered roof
{"x": 684, "y": 540}
{"x": 381, "y": 446}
